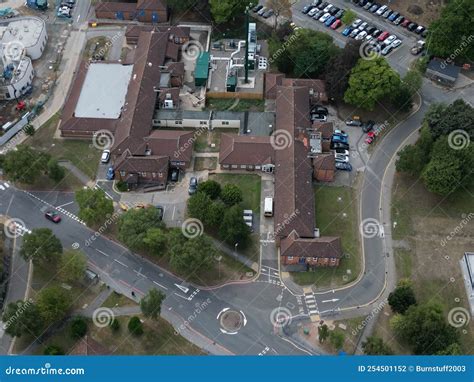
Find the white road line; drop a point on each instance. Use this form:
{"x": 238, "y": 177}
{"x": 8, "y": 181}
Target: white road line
{"x": 117, "y": 261}
{"x": 64, "y": 205}
{"x": 103, "y": 253}
{"x": 174, "y": 210}
{"x": 2, "y": 188}
{"x": 161, "y": 286}
{"x": 6, "y": 185}
{"x": 139, "y": 273}
{"x": 184, "y": 297}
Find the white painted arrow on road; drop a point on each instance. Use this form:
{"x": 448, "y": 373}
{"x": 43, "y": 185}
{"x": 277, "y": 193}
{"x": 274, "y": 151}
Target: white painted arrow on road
{"x": 183, "y": 288}
{"x": 333, "y": 300}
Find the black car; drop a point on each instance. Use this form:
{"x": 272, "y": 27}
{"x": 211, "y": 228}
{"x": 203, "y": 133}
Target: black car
{"x": 161, "y": 212}
{"x": 343, "y": 166}
{"x": 339, "y": 145}
{"x": 368, "y": 126}
{"x": 258, "y": 7}
{"x": 193, "y": 185}
{"x": 323, "y": 5}
{"x": 424, "y": 33}
{"x": 318, "y": 14}
{"x": 319, "y": 109}
{"x": 339, "y": 14}
{"x": 174, "y": 175}
{"x": 362, "y": 3}
{"x": 333, "y": 10}
{"x": 412, "y": 26}
{"x": 370, "y": 30}
{"x": 376, "y": 33}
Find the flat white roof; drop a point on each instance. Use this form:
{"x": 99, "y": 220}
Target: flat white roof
{"x": 25, "y": 30}
{"x": 104, "y": 90}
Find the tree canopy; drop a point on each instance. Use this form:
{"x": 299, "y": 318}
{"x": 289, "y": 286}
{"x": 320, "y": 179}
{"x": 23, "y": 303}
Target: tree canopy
{"x": 94, "y": 207}
{"x": 24, "y": 164}
{"x": 231, "y": 194}
{"x": 211, "y": 188}
{"x": 402, "y": 297}
{"x": 224, "y": 10}
{"x": 192, "y": 255}
{"x": 42, "y": 247}
{"x": 22, "y": 318}
{"x": 134, "y": 224}
{"x": 233, "y": 228}
{"x": 73, "y": 266}
{"x": 375, "y": 346}
{"x": 53, "y": 303}
{"x": 151, "y": 303}
{"x": 370, "y": 82}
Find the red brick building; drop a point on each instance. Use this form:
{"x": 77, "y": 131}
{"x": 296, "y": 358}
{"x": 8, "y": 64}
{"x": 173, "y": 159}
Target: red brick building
{"x": 146, "y": 11}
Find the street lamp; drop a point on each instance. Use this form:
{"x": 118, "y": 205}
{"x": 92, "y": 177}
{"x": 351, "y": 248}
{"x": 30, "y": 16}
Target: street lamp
{"x": 235, "y": 247}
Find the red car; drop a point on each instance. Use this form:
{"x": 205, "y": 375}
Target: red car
{"x": 383, "y": 36}
{"x": 336, "y": 24}
{"x": 53, "y": 216}
{"x": 370, "y": 138}
{"x": 405, "y": 23}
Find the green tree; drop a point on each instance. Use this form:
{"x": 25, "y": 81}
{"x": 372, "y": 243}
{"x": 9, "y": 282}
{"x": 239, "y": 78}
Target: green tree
{"x": 214, "y": 214}
{"x": 231, "y": 194}
{"x": 336, "y": 338}
{"x": 94, "y": 207}
{"x": 53, "y": 350}
{"x": 55, "y": 171}
{"x": 233, "y": 228}
{"x": 375, "y": 346}
{"x": 42, "y": 247}
{"x": 78, "y": 327}
{"x": 29, "y": 130}
{"x": 453, "y": 349}
{"x": 115, "y": 325}
{"x": 413, "y": 80}
{"x": 134, "y": 224}
{"x": 151, "y": 303}
{"x": 424, "y": 328}
{"x": 449, "y": 34}
{"x": 193, "y": 255}
{"x": 155, "y": 240}
{"x": 22, "y": 318}
{"x": 73, "y": 266}
{"x": 181, "y": 5}
{"x": 348, "y": 17}
{"x": 370, "y": 82}
{"x": 323, "y": 333}
{"x": 412, "y": 159}
{"x": 456, "y": 116}
{"x": 281, "y": 8}
{"x": 339, "y": 69}
{"x": 402, "y": 297}
{"x": 198, "y": 206}
{"x": 223, "y": 10}
{"x": 53, "y": 304}
{"x": 211, "y": 188}
{"x": 135, "y": 326}
{"x": 24, "y": 164}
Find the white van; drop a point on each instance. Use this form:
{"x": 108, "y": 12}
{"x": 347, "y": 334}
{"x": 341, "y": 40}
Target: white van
{"x": 268, "y": 207}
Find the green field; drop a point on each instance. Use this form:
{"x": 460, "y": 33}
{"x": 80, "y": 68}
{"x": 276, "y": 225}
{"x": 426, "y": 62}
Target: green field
{"x": 336, "y": 215}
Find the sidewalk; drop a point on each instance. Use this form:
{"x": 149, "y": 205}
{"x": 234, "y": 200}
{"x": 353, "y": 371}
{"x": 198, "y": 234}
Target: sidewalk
{"x": 228, "y": 251}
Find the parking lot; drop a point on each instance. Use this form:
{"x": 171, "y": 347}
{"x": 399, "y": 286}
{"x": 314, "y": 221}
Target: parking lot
{"x": 399, "y": 58}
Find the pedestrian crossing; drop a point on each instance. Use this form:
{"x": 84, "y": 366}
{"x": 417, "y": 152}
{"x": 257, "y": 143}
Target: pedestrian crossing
{"x": 4, "y": 186}
{"x": 311, "y": 304}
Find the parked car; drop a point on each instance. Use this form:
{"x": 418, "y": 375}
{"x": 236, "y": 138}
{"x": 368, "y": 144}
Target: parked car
{"x": 268, "y": 14}
{"x": 324, "y": 17}
{"x": 424, "y": 33}
{"x": 258, "y": 7}
{"x": 381, "y": 10}
{"x": 318, "y": 14}
{"x": 343, "y": 166}
{"x": 193, "y": 185}
{"x": 374, "y": 8}
{"x": 386, "y": 50}
{"x": 393, "y": 16}
{"x": 312, "y": 11}
{"x": 341, "y": 158}
{"x": 339, "y": 145}
{"x": 322, "y": 5}
{"x": 174, "y": 175}
{"x": 362, "y": 3}
{"x": 328, "y": 7}
{"x": 336, "y": 24}
{"x": 329, "y": 21}
{"x": 52, "y": 216}
{"x": 396, "y": 43}
{"x": 370, "y": 30}
{"x": 318, "y": 117}
{"x": 387, "y": 13}
{"x": 305, "y": 9}
{"x": 355, "y": 32}
{"x": 368, "y": 5}
{"x": 383, "y": 36}
{"x": 161, "y": 212}
{"x": 405, "y": 23}
{"x": 333, "y": 10}
{"x": 363, "y": 26}
{"x": 398, "y": 20}
{"x": 370, "y": 138}
{"x": 339, "y": 14}
{"x": 340, "y": 139}
{"x": 411, "y": 27}
{"x": 110, "y": 173}
{"x": 347, "y": 31}
{"x": 262, "y": 11}
{"x": 105, "y": 157}
{"x": 419, "y": 29}
{"x": 319, "y": 109}
{"x": 368, "y": 126}
{"x": 353, "y": 122}
{"x": 361, "y": 35}
{"x": 356, "y": 23}
{"x": 342, "y": 151}
{"x": 390, "y": 39}
{"x": 376, "y": 33}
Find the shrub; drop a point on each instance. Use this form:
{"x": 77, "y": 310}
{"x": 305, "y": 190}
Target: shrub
{"x": 78, "y": 327}
{"x": 135, "y": 326}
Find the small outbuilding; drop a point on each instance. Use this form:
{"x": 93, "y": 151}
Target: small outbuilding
{"x": 442, "y": 72}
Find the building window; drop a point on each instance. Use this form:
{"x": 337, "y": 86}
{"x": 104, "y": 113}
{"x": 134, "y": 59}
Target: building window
{"x": 178, "y": 122}
{"x": 203, "y": 122}
{"x": 160, "y": 175}
{"x": 225, "y": 123}
{"x": 258, "y": 167}
{"x": 243, "y": 166}
{"x": 290, "y": 258}
{"x": 315, "y": 259}
{"x": 225, "y": 166}
{"x": 234, "y": 166}
{"x": 122, "y": 173}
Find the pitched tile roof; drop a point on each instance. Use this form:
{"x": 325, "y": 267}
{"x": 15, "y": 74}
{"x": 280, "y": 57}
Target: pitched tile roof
{"x": 132, "y": 164}
{"x": 245, "y": 150}
{"x": 326, "y": 247}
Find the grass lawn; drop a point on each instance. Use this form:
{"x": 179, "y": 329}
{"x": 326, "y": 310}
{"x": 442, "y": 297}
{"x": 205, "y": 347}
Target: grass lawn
{"x": 250, "y": 184}
{"x": 203, "y": 141}
{"x": 116, "y": 300}
{"x": 336, "y": 215}
{"x": 44, "y": 183}
{"x": 424, "y": 221}
{"x": 201, "y": 164}
{"x": 78, "y": 152}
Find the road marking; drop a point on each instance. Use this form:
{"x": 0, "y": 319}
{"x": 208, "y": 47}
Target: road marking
{"x": 174, "y": 210}
{"x": 183, "y": 288}
{"x": 103, "y": 253}
{"x": 139, "y": 273}
{"x": 161, "y": 286}
{"x": 2, "y": 188}
{"x": 184, "y": 297}
{"x": 332, "y": 300}
{"x": 117, "y": 261}
{"x": 6, "y": 185}
{"x": 65, "y": 204}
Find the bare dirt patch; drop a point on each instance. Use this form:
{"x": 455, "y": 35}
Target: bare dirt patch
{"x": 423, "y": 12}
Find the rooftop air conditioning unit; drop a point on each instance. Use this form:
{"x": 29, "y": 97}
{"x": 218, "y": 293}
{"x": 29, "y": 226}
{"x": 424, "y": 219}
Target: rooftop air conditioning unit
{"x": 168, "y": 96}
{"x": 168, "y": 104}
